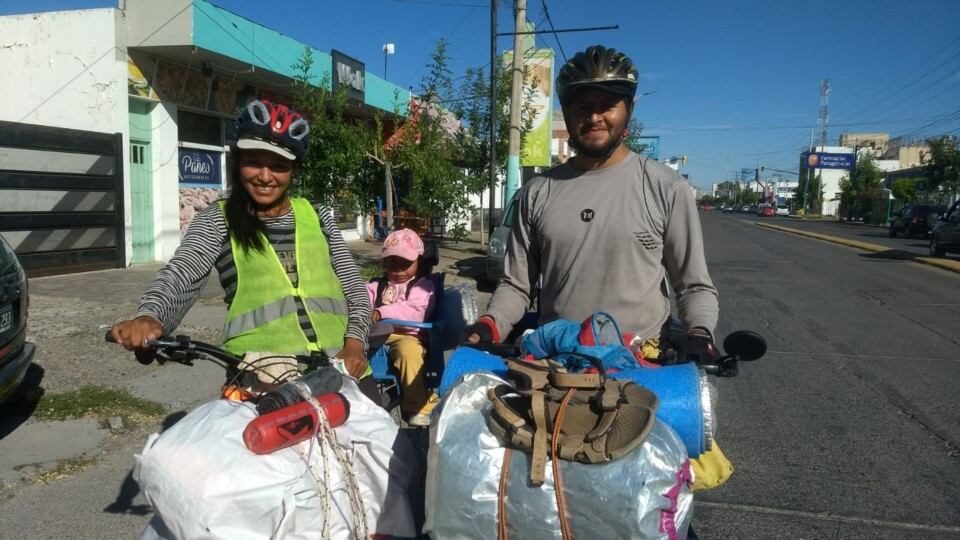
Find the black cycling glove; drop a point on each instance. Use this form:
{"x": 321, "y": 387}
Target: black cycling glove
{"x": 484, "y": 328}
{"x": 698, "y": 348}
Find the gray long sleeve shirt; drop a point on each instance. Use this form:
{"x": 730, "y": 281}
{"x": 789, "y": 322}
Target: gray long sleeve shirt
{"x": 603, "y": 240}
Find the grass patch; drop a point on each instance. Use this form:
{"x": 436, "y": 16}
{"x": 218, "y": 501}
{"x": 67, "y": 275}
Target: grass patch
{"x": 99, "y": 402}
{"x": 370, "y": 271}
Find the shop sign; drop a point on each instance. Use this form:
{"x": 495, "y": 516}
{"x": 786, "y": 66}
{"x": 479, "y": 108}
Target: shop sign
{"x": 824, "y": 160}
{"x": 199, "y": 167}
{"x": 350, "y": 74}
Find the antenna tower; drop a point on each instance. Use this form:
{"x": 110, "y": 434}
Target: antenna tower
{"x": 824, "y": 120}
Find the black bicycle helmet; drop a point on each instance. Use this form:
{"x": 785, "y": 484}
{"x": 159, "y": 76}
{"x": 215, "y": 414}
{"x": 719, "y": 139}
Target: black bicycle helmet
{"x": 273, "y": 127}
{"x": 597, "y": 67}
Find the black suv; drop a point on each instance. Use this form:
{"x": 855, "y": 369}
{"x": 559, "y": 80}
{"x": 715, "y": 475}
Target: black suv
{"x": 15, "y": 352}
{"x": 914, "y": 219}
{"x": 946, "y": 235}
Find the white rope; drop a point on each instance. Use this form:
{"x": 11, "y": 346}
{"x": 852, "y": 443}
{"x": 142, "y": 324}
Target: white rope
{"x": 326, "y": 437}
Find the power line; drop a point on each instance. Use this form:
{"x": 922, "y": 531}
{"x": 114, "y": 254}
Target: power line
{"x": 546, "y": 12}
{"x": 863, "y": 105}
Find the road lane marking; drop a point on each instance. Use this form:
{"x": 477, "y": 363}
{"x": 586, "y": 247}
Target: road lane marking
{"x": 946, "y": 264}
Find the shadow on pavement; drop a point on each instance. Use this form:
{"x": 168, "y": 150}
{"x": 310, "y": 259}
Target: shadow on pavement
{"x": 892, "y": 255}
{"x": 18, "y": 409}
{"x": 474, "y": 268}
{"x": 129, "y": 489}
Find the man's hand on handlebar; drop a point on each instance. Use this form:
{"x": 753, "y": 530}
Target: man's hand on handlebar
{"x": 133, "y": 334}
{"x": 353, "y": 357}
{"x": 698, "y": 347}
{"x": 482, "y": 331}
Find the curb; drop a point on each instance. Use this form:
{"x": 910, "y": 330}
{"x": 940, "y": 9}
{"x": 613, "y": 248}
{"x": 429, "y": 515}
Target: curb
{"x": 946, "y": 264}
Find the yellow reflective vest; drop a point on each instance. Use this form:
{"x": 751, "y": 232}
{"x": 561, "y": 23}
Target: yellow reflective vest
{"x": 263, "y": 315}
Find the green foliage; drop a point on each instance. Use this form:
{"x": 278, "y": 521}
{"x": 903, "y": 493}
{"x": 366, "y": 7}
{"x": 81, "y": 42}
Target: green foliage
{"x": 905, "y": 189}
{"x": 749, "y": 197}
{"x": 337, "y": 168}
{"x": 861, "y": 194}
{"x": 810, "y": 191}
{"x": 442, "y": 157}
{"x": 941, "y": 165}
{"x": 632, "y": 141}
{"x": 99, "y": 402}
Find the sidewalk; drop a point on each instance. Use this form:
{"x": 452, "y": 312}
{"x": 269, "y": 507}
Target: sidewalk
{"x": 946, "y": 264}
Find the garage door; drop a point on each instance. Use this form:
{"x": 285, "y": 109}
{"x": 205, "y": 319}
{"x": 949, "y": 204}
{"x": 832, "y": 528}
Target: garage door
{"x": 61, "y": 198}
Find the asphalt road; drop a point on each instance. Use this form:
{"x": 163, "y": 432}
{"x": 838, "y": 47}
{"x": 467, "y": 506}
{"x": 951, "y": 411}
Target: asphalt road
{"x": 900, "y": 246}
{"x": 850, "y": 426}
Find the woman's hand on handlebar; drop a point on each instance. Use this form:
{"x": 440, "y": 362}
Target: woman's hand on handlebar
{"x": 353, "y": 356}
{"x": 133, "y": 334}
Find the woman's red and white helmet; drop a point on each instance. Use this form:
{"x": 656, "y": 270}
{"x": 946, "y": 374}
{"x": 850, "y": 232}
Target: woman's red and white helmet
{"x": 264, "y": 125}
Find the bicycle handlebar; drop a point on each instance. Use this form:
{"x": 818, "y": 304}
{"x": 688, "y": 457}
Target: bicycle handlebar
{"x": 183, "y": 350}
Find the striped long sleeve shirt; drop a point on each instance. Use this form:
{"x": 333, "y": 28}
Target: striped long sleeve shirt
{"x": 206, "y": 245}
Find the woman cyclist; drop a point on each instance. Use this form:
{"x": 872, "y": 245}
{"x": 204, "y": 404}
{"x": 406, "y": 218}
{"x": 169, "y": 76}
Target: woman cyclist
{"x": 291, "y": 285}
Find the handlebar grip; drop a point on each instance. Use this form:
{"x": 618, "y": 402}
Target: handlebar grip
{"x": 108, "y": 337}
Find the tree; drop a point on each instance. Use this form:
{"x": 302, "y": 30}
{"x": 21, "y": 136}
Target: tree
{"x": 727, "y": 190}
{"x": 941, "y": 165}
{"x": 632, "y": 141}
{"x": 337, "y": 169}
{"x": 861, "y": 194}
{"x": 905, "y": 189}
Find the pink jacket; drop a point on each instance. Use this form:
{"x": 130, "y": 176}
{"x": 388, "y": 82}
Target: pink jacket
{"x": 416, "y": 307}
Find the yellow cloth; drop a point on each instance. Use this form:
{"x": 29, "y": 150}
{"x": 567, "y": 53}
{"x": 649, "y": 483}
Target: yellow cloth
{"x": 407, "y": 357}
{"x": 711, "y": 469}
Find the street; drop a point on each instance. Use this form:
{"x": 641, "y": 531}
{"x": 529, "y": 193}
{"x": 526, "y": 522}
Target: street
{"x": 848, "y": 428}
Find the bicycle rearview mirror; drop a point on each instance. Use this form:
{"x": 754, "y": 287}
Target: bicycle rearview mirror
{"x": 745, "y": 345}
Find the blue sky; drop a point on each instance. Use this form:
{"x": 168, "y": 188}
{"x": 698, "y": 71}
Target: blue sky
{"x": 735, "y": 82}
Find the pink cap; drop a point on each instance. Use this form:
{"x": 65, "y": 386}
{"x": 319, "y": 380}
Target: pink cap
{"x": 402, "y": 243}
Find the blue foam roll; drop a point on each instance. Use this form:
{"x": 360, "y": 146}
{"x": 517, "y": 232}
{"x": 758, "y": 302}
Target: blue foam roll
{"x": 677, "y": 387}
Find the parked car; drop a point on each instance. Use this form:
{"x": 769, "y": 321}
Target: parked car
{"x": 15, "y": 352}
{"x": 914, "y": 219}
{"x": 727, "y": 208}
{"x": 746, "y": 208}
{"x": 946, "y": 233}
{"x": 498, "y": 243}
{"x": 783, "y": 211}
{"x": 767, "y": 211}
{"x": 706, "y": 207}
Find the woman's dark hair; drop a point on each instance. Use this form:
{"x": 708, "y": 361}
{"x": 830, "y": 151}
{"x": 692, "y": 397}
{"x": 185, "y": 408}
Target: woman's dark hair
{"x": 242, "y": 221}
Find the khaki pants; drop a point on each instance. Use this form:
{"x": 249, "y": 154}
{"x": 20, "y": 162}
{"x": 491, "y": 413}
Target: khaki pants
{"x": 407, "y": 358}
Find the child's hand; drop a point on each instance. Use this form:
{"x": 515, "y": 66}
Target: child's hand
{"x": 375, "y": 316}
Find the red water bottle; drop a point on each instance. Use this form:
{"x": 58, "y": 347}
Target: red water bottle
{"x": 294, "y": 423}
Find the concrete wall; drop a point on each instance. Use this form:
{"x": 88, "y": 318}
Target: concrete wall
{"x": 151, "y": 23}
{"x": 68, "y": 67}
{"x": 69, "y": 70}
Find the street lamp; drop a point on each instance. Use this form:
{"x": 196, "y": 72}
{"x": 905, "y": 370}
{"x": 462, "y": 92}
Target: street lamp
{"x": 387, "y": 50}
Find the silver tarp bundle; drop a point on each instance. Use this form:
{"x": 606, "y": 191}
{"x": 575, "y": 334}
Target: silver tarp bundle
{"x": 644, "y": 494}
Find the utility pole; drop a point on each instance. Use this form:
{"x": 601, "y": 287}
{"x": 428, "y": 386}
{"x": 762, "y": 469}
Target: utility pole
{"x": 824, "y": 124}
{"x": 493, "y": 111}
{"x": 516, "y": 103}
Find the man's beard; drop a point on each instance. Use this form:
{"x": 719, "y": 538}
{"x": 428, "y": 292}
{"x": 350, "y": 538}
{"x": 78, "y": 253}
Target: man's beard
{"x": 596, "y": 153}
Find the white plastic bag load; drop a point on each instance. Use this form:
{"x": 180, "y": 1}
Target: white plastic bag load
{"x": 204, "y": 483}
{"x": 644, "y": 494}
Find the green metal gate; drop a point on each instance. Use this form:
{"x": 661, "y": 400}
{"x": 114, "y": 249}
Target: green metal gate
{"x": 141, "y": 201}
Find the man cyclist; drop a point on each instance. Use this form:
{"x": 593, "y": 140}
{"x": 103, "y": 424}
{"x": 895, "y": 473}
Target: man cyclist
{"x": 603, "y": 231}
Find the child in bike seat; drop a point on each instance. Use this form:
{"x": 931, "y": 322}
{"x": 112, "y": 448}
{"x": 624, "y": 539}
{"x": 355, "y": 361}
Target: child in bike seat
{"x": 405, "y": 292}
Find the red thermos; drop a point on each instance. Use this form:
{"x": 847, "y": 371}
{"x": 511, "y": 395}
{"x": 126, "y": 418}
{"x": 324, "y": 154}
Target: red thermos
{"x": 293, "y": 423}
